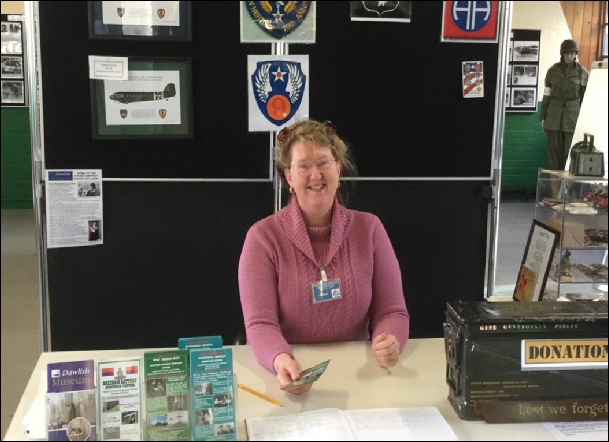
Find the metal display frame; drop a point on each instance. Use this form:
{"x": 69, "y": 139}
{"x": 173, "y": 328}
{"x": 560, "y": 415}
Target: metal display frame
{"x": 280, "y": 48}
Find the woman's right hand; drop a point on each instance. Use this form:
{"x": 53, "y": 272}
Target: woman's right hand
{"x": 288, "y": 370}
{"x": 542, "y": 121}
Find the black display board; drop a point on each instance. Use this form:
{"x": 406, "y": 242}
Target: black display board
{"x": 167, "y": 268}
{"x": 438, "y": 231}
{"x": 168, "y": 265}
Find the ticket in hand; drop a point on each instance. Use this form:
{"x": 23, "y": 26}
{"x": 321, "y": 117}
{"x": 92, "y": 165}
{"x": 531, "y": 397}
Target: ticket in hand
{"x": 309, "y": 375}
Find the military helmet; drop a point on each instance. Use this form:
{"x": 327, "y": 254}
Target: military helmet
{"x": 569, "y": 46}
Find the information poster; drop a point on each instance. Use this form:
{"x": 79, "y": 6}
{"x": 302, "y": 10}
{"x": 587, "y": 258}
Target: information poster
{"x": 536, "y": 262}
{"x": 74, "y": 208}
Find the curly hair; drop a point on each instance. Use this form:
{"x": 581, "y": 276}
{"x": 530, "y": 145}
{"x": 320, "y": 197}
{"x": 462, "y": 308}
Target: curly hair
{"x": 319, "y": 133}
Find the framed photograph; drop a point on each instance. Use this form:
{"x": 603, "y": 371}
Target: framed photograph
{"x": 140, "y": 20}
{"x": 524, "y": 74}
{"x": 155, "y": 101}
{"x": 12, "y": 66}
{"x": 12, "y": 42}
{"x": 526, "y": 51}
{"x": 13, "y": 92}
{"x": 536, "y": 262}
{"x": 524, "y": 97}
{"x": 523, "y": 70}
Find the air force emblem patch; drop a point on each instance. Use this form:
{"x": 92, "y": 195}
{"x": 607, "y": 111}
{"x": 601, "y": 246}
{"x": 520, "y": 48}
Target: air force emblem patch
{"x": 278, "y": 89}
{"x": 278, "y": 19}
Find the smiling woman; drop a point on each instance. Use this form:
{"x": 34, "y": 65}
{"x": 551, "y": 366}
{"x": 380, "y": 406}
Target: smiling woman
{"x": 316, "y": 271}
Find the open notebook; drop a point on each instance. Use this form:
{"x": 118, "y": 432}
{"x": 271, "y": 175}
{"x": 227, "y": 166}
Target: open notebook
{"x": 386, "y": 424}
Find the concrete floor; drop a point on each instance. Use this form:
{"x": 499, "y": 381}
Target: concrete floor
{"x": 21, "y": 341}
{"x": 21, "y": 336}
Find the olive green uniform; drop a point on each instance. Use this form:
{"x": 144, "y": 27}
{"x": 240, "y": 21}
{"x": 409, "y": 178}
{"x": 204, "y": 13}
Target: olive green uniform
{"x": 563, "y": 93}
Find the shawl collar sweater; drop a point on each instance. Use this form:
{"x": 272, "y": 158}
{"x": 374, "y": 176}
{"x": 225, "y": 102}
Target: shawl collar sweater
{"x": 280, "y": 261}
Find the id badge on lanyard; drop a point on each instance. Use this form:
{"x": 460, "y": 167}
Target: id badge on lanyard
{"x": 326, "y": 289}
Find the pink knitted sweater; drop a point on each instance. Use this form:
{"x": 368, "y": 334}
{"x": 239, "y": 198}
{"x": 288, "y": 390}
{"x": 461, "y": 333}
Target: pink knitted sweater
{"x": 281, "y": 259}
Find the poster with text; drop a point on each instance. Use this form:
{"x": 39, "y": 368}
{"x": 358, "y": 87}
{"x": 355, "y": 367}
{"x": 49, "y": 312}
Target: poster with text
{"x": 74, "y": 208}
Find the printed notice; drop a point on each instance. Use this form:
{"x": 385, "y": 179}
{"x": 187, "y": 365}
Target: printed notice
{"x": 74, "y": 208}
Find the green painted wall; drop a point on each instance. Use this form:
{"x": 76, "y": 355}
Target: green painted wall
{"x": 524, "y": 151}
{"x": 16, "y": 173}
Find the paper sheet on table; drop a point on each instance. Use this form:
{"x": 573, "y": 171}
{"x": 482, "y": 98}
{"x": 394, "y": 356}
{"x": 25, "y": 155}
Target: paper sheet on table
{"x": 34, "y": 420}
{"x": 584, "y": 430}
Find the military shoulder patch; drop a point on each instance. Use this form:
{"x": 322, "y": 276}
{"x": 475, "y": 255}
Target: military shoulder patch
{"x": 278, "y": 19}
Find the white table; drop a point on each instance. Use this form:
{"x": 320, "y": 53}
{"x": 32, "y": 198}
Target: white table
{"x": 352, "y": 380}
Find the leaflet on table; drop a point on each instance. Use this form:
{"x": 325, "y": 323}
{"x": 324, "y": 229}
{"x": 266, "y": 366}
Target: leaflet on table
{"x": 74, "y": 208}
{"x": 211, "y": 375}
{"x": 71, "y": 408}
{"x": 167, "y": 395}
{"x": 120, "y": 399}
{"x": 200, "y": 342}
{"x": 309, "y": 375}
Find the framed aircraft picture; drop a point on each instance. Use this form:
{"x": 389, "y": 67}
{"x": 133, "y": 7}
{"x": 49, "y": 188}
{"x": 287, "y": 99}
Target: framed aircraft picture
{"x": 140, "y": 20}
{"x": 154, "y": 102}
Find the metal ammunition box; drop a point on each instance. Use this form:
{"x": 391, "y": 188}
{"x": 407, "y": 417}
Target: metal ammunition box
{"x": 519, "y": 351}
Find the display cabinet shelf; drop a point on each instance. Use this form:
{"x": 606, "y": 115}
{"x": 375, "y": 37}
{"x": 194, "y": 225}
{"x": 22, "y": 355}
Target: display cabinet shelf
{"x": 576, "y": 207}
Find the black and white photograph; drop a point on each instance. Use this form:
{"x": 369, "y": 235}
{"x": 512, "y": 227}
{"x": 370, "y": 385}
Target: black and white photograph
{"x": 526, "y": 51}
{"x": 94, "y": 229}
{"x": 205, "y": 388}
{"x": 156, "y": 387}
{"x": 12, "y": 67}
{"x": 129, "y": 417}
{"x": 507, "y": 97}
{"x": 510, "y": 50}
{"x": 88, "y": 188}
{"x": 381, "y": 11}
{"x": 204, "y": 416}
{"x": 13, "y": 92}
{"x": 524, "y": 97}
{"x": 11, "y": 38}
{"x": 226, "y": 428}
{"x": 222, "y": 400}
{"x": 177, "y": 403}
{"x": 177, "y": 419}
{"x": 509, "y": 78}
{"x": 524, "y": 75}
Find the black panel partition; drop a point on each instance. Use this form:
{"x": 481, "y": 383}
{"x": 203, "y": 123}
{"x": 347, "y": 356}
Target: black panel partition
{"x": 168, "y": 265}
{"x": 167, "y": 268}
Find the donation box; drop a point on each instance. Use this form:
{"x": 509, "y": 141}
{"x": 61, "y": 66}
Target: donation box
{"x": 527, "y": 361}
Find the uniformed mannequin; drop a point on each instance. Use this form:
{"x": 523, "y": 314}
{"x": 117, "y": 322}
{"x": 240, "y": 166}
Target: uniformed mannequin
{"x": 565, "y": 85}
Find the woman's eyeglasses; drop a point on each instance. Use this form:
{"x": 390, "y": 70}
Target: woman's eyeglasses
{"x": 305, "y": 168}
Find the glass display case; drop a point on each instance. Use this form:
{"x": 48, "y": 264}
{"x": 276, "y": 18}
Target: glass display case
{"x": 576, "y": 207}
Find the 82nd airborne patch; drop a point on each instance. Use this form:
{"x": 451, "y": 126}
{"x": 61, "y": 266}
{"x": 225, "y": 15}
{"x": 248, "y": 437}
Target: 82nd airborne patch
{"x": 278, "y": 19}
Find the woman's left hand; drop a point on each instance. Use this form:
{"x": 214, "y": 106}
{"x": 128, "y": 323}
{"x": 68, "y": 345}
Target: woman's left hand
{"x": 386, "y": 350}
